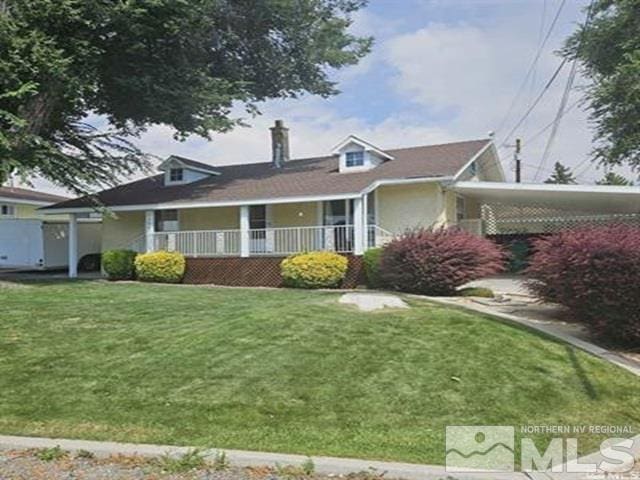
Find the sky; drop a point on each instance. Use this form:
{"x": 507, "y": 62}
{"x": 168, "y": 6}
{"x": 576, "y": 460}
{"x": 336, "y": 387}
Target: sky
{"x": 440, "y": 71}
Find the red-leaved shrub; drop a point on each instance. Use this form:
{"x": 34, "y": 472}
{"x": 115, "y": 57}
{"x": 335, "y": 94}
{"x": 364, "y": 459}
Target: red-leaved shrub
{"x": 435, "y": 262}
{"x": 595, "y": 272}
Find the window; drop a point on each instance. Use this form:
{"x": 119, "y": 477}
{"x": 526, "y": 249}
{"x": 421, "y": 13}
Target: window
{"x": 176, "y": 175}
{"x": 7, "y": 210}
{"x": 354, "y": 159}
{"x": 166, "y": 220}
{"x": 460, "y": 209}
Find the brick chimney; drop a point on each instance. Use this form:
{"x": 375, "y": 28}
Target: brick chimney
{"x": 279, "y": 144}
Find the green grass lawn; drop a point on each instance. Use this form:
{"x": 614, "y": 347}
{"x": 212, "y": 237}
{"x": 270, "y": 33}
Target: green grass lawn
{"x": 283, "y": 370}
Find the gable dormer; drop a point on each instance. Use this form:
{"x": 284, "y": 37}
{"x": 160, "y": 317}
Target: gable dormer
{"x": 180, "y": 171}
{"x": 356, "y": 155}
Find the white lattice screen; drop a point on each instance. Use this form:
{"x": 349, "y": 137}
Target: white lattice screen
{"x": 511, "y": 219}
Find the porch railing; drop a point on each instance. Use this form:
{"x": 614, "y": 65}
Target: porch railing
{"x": 267, "y": 241}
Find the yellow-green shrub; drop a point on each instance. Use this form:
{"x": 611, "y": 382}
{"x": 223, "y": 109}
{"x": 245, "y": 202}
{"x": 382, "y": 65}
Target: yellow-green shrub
{"x": 163, "y": 267}
{"x": 314, "y": 270}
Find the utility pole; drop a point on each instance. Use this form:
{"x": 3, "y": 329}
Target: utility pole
{"x": 516, "y": 158}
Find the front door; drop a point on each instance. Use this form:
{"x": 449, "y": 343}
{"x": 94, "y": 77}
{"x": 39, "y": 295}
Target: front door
{"x": 258, "y": 226}
{"x": 339, "y": 213}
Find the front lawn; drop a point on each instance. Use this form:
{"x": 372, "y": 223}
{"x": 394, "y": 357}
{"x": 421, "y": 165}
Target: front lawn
{"x": 283, "y": 370}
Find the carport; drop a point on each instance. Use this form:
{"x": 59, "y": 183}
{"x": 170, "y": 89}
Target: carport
{"x": 521, "y": 208}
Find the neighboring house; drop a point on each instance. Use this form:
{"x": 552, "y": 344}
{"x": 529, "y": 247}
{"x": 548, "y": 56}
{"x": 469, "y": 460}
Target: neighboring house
{"x": 357, "y": 196}
{"x": 31, "y": 240}
{"x": 23, "y": 203}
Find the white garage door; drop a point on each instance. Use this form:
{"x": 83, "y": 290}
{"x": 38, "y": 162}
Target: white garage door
{"x": 21, "y": 243}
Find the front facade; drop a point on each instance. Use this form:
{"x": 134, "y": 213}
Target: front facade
{"x": 357, "y": 197}
{"x": 21, "y": 203}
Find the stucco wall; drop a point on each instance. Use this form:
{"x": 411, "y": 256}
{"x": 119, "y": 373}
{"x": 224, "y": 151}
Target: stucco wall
{"x": 218, "y": 218}
{"x": 294, "y": 214}
{"x": 402, "y": 207}
{"x": 121, "y": 230}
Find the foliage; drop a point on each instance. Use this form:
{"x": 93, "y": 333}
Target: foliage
{"x": 284, "y": 371}
{"x": 612, "y": 178}
{"x": 191, "y": 460}
{"x": 306, "y": 469}
{"x": 561, "y": 175}
{"x": 161, "y": 266}
{"x": 314, "y": 270}
{"x": 221, "y": 461}
{"x": 86, "y": 454}
{"x": 119, "y": 264}
{"x": 519, "y": 251}
{"x": 593, "y": 271}
{"x": 371, "y": 260}
{"x": 476, "y": 292}
{"x": 130, "y": 65}
{"x": 50, "y": 454}
{"x": 608, "y": 50}
{"x": 436, "y": 262}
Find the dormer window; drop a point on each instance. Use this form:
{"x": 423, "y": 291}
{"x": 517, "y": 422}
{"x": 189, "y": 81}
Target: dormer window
{"x": 176, "y": 175}
{"x": 354, "y": 159}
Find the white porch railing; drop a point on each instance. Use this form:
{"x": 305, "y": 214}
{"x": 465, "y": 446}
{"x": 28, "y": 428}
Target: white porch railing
{"x": 268, "y": 241}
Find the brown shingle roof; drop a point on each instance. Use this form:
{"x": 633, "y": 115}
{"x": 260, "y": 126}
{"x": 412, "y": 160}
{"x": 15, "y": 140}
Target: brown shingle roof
{"x": 306, "y": 177}
{"x": 30, "y": 195}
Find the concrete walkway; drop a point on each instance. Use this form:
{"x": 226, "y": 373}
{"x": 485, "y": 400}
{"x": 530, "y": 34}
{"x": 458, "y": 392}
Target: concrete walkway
{"x": 242, "y": 458}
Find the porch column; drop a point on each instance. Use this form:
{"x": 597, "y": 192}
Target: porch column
{"x": 244, "y": 231}
{"x": 149, "y": 230}
{"x": 365, "y": 220}
{"x": 358, "y": 230}
{"x": 73, "y": 245}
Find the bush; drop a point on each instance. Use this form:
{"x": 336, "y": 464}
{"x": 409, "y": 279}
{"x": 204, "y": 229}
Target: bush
{"x": 436, "y": 262}
{"x": 476, "y": 292}
{"x": 594, "y": 272}
{"x": 371, "y": 260}
{"x": 163, "y": 267}
{"x": 118, "y": 264}
{"x": 314, "y": 270}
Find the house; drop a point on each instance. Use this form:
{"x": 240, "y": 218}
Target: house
{"x": 24, "y": 203}
{"x": 357, "y": 196}
{"x": 29, "y": 239}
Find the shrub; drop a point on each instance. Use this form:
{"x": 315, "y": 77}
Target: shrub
{"x": 314, "y": 270}
{"x": 436, "y": 261}
{"x": 119, "y": 264}
{"x": 163, "y": 267}
{"x": 594, "y": 272}
{"x": 371, "y": 260}
{"x": 476, "y": 292}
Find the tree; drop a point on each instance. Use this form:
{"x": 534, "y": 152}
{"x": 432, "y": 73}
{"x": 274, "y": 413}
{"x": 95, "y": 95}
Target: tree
{"x": 608, "y": 49}
{"x": 136, "y": 63}
{"x": 612, "y": 178}
{"x": 561, "y": 175}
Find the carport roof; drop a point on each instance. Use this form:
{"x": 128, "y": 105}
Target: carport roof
{"x": 592, "y": 198}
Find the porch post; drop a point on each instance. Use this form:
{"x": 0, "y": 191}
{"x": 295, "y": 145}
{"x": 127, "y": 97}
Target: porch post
{"x": 244, "y": 231}
{"x": 149, "y": 230}
{"x": 358, "y": 231}
{"x": 365, "y": 220}
{"x": 73, "y": 245}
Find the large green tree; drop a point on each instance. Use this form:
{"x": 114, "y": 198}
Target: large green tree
{"x": 608, "y": 49}
{"x": 131, "y": 64}
{"x": 561, "y": 175}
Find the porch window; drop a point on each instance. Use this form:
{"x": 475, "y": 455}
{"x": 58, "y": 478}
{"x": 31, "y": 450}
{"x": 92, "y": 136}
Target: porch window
{"x": 176, "y": 175}
{"x": 166, "y": 220}
{"x": 354, "y": 159}
{"x": 7, "y": 210}
{"x": 460, "y": 209}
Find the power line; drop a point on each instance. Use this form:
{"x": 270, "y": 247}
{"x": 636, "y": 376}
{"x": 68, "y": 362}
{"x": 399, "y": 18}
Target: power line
{"x": 565, "y": 95}
{"x": 536, "y": 101}
{"x": 539, "y": 133}
{"x": 534, "y": 63}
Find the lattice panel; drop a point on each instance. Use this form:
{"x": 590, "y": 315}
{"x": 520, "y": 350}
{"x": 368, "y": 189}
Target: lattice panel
{"x": 500, "y": 219}
{"x": 254, "y": 271}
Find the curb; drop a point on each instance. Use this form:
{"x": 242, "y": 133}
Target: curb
{"x": 244, "y": 458}
{"x": 604, "y": 354}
